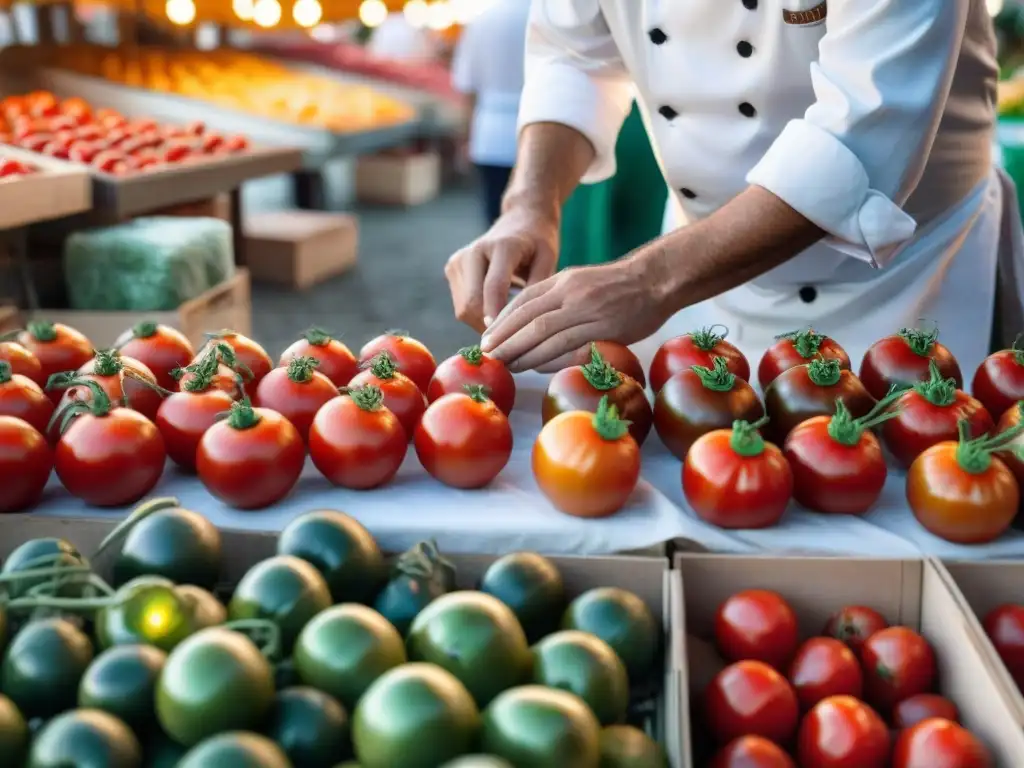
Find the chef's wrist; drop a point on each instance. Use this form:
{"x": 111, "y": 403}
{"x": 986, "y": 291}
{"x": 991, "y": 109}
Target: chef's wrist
{"x": 656, "y": 266}
{"x": 533, "y": 203}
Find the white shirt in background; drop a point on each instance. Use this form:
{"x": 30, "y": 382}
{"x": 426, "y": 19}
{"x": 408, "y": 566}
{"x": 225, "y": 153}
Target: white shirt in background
{"x": 489, "y": 64}
{"x": 399, "y": 40}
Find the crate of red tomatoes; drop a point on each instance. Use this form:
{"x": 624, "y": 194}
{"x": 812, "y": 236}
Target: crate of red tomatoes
{"x": 34, "y": 189}
{"x": 835, "y": 663}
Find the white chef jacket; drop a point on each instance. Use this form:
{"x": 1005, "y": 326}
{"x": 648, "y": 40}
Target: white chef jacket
{"x": 872, "y": 118}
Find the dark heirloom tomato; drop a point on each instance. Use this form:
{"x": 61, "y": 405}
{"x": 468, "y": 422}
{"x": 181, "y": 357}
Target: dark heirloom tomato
{"x": 1012, "y": 418}
{"x": 798, "y": 348}
{"x": 923, "y": 706}
{"x": 825, "y": 667}
{"x": 842, "y": 731}
{"x": 160, "y": 348}
{"x": 621, "y": 358}
{"x": 930, "y": 413}
{"x": 296, "y": 392}
{"x": 58, "y": 349}
{"x": 961, "y": 492}
{"x": 701, "y": 400}
{"x": 698, "y": 348}
{"x": 749, "y": 698}
{"x": 854, "y": 624}
{"x": 472, "y": 367}
{"x": 938, "y": 743}
{"x": 1004, "y": 626}
{"x": 401, "y": 395}
{"x": 998, "y": 382}
{"x": 22, "y": 398}
{"x": 734, "y": 479}
{"x": 757, "y": 624}
{"x": 411, "y": 357}
{"x": 582, "y": 387}
{"x": 898, "y": 663}
{"x": 337, "y": 362}
{"x": 250, "y": 359}
{"x": 752, "y": 752}
{"x": 464, "y": 440}
{"x": 184, "y": 417}
{"x": 22, "y": 361}
{"x": 25, "y": 465}
{"x": 125, "y": 381}
{"x": 904, "y": 359}
{"x": 805, "y": 391}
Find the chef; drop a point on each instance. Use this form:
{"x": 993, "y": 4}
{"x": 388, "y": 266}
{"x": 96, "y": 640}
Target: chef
{"x": 830, "y": 165}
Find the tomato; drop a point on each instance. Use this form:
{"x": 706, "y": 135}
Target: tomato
{"x": 587, "y": 464}
{"x": 923, "y": 706}
{"x": 252, "y": 459}
{"x": 759, "y": 625}
{"x": 311, "y": 727}
{"x": 930, "y": 413}
{"x": 160, "y": 348}
{"x": 853, "y": 625}
{"x": 58, "y": 349}
{"x": 216, "y": 368}
{"x": 842, "y": 732}
{"x": 126, "y": 382}
{"x": 734, "y": 479}
{"x": 236, "y": 143}
{"x": 336, "y": 360}
{"x": 107, "y": 456}
{"x": 999, "y": 381}
{"x": 749, "y": 698}
{"x": 905, "y": 358}
{"x": 532, "y": 586}
{"x": 472, "y": 367}
{"x": 401, "y": 395}
{"x": 1004, "y": 626}
{"x": 694, "y": 402}
{"x": 825, "y": 667}
{"x": 838, "y": 466}
{"x": 938, "y": 743}
{"x": 805, "y": 391}
{"x": 700, "y": 347}
{"x": 184, "y": 417}
{"x": 961, "y": 492}
{"x": 22, "y": 398}
{"x": 898, "y": 663}
{"x": 582, "y": 387}
{"x": 752, "y": 752}
{"x": 1011, "y": 419}
{"x": 22, "y": 361}
{"x": 798, "y": 348}
{"x": 25, "y": 465}
{"x": 253, "y": 362}
{"x": 411, "y": 357}
{"x": 296, "y": 392}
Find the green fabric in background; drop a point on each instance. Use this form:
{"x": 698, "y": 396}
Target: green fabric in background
{"x": 602, "y": 222}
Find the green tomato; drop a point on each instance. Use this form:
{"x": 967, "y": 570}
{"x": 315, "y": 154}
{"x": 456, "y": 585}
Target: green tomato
{"x": 236, "y": 750}
{"x": 623, "y": 746}
{"x": 477, "y": 638}
{"x": 147, "y": 611}
{"x": 122, "y": 681}
{"x": 14, "y": 736}
{"x": 420, "y": 576}
{"x": 177, "y": 544}
{"x": 587, "y": 666}
{"x": 63, "y": 552}
{"x": 341, "y": 549}
{"x": 43, "y": 666}
{"x": 532, "y": 587}
{"x": 214, "y": 681}
{"x": 415, "y": 716}
{"x": 310, "y": 726}
{"x": 284, "y": 589}
{"x": 204, "y": 609}
{"x": 85, "y": 738}
{"x": 344, "y": 649}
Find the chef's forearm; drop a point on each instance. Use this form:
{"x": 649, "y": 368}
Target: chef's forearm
{"x": 550, "y": 162}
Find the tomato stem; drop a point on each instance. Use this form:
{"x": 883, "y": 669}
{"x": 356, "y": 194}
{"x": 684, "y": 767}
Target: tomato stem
{"x": 383, "y": 366}
{"x": 806, "y": 342}
{"x": 746, "y": 440}
{"x": 225, "y": 354}
{"x": 824, "y": 372}
{"x": 599, "y": 373}
{"x": 242, "y": 415}
{"x": 6, "y": 372}
{"x": 301, "y": 369}
{"x": 423, "y": 562}
{"x": 607, "y": 423}
{"x": 718, "y": 378}
{"x": 265, "y": 635}
{"x": 477, "y": 392}
{"x": 369, "y": 398}
{"x": 975, "y": 455}
{"x": 938, "y": 391}
{"x": 472, "y": 355}
{"x": 97, "y": 405}
{"x": 144, "y": 330}
{"x": 202, "y": 370}
{"x": 42, "y": 331}
{"x": 920, "y": 341}
{"x": 707, "y": 338}
{"x": 846, "y": 430}
{"x": 1017, "y": 349}
{"x": 317, "y": 337}
{"x": 140, "y": 513}
{"x": 107, "y": 362}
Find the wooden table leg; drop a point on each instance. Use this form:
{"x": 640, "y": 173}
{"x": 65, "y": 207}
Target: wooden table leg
{"x": 309, "y": 190}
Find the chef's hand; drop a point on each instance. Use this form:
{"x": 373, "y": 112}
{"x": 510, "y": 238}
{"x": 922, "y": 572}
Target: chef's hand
{"x": 550, "y": 325}
{"x": 523, "y": 243}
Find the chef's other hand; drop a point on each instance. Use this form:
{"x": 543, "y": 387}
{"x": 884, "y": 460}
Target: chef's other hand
{"x": 523, "y": 243}
{"x": 547, "y": 326}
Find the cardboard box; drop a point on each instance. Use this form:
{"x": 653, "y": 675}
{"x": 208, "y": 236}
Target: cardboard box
{"x": 908, "y": 592}
{"x": 299, "y": 249}
{"x": 54, "y": 190}
{"x": 398, "y": 179}
{"x": 228, "y": 305}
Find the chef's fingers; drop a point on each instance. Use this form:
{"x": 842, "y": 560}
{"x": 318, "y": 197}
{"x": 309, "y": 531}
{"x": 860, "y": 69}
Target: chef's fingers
{"x": 555, "y": 349}
{"x": 529, "y": 307}
{"x": 580, "y": 357}
{"x": 543, "y": 264}
{"x": 465, "y": 272}
{"x": 529, "y": 293}
{"x": 534, "y": 332}
{"x": 504, "y": 258}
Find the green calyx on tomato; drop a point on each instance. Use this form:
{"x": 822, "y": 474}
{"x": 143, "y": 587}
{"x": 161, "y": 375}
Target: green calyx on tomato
{"x": 707, "y": 338}
{"x": 383, "y": 366}
{"x": 224, "y": 354}
{"x": 97, "y": 405}
{"x": 920, "y": 341}
{"x": 242, "y": 415}
{"x": 317, "y": 337}
{"x": 599, "y": 373}
{"x": 607, "y": 423}
{"x": 301, "y": 369}
{"x": 42, "y": 331}
{"x": 107, "y": 363}
{"x": 472, "y": 355}
{"x": 478, "y": 393}
{"x": 824, "y": 373}
{"x": 806, "y": 342}
{"x": 846, "y": 430}
{"x": 975, "y": 456}
{"x": 144, "y": 330}
{"x": 369, "y": 398}
{"x": 420, "y": 575}
{"x": 937, "y": 390}
{"x": 6, "y": 372}
{"x": 717, "y": 378}
{"x": 202, "y": 370}
{"x": 746, "y": 438}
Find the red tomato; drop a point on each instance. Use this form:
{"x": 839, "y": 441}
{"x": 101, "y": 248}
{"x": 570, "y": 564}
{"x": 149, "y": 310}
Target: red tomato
{"x": 175, "y": 153}
{"x": 83, "y": 152}
{"x": 356, "y": 442}
{"x": 930, "y": 413}
{"x": 853, "y": 625}
{"x": 697, "y": 348}
{"x": 621, "y": 358}
{"x": 837, "y": 463}
{"x": 22, "y": 361}
{"x": 471, "y": 367}
{"x": 401, "y": 395}
{"x": 842, "y": 732}
{"x": 1010, "y": 420}
{"x": 212, "y": 142}
{"x": 923, "y": 706}
{"x": 938, "y": 743}
{"x": 183, "y": 419}
{"x": 296, "y": 392}
{"x": 237, "y": 144}
{"x": 25, "y": 465}
{"x": 904, "y": 358}
{"x": 58, "y": 349}
{"x": 805, "y": 391}
{"x": 24, "y": 399}
{"x": 251, "y": 360}
{"x": 757, "y": 624}
{"x": 749, "y": 698}
{"x": 898, "y": 663}
{"x": 252, "y": 459}
{"x": 126, "y": 382}
{"x": 752, "y": 752}
{"x": 110, "y": 161}
{"x": 701, "y": 400}
{"x": 587, "y": 464}
{"x": 825, "y": 667}
{"x": 107, "y": 456}
{"x": 798, "y": 348}
{"x": 411, "y": 357}
{"x": 464, "y": 440}
{"x": 999, "y": 381}
{"x": 336, "y": 360}
{"x": 160, "y": 348}
{"x": 582, "y": 387}
{"x": 734, "y": 479}
{"x": 1004, "y": 626}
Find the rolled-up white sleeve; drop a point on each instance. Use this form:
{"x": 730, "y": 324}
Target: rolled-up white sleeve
{"x": 575, "y": 76}
{"x": 881, "y": 83}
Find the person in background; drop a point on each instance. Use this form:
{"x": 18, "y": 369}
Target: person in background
{"x": 398, "y": 40}
{"x": 488, "y": 67}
